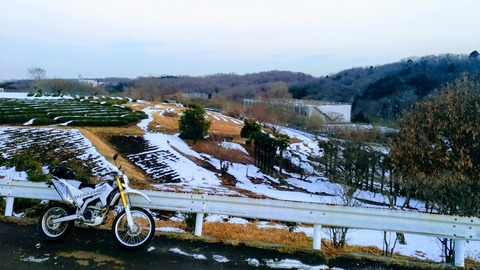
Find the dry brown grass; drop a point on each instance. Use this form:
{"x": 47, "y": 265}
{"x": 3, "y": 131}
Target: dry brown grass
{"x": 164, "y": 124}
{"x": 225, "y": 128}
{"x": 235, "y": 233}
{"x": 250, "y": 234}
{"x": 167, "y": 223}
{"x": 136, "y": 106}
{"x": 214, "y": 149}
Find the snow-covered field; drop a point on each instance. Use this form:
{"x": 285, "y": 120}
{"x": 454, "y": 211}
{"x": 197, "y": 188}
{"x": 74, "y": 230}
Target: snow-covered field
{"x": 314, "y": 188}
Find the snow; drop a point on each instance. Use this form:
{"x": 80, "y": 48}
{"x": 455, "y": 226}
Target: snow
{"x": 23, "y": 95}
{"x": 312, "y": 187}
{"x": 29, "y": 123}
{"x": 194, "y": 176}
{"x": 170, "y": 229}
{"x": 292, "y": 264}
{"x": 220, "y": 259}
{"x": 234, "y": 146}
{"x": 35, "y": 260}
{"x": 253, "y": 262}
{"x": 196, "y": 256}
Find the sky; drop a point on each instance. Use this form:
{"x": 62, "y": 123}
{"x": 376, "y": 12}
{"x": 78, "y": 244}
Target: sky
{"x": 131, "y": 38}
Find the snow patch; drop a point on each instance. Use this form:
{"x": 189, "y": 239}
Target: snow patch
{"x": 196, "y": 256}
{"x": 220, "y": 259}
{"x": 35, "y": 260}
{"x": 293, "y": 264}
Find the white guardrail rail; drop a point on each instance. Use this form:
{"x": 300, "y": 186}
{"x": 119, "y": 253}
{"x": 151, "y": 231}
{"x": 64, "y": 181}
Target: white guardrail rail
{"x": 453, "y": 227}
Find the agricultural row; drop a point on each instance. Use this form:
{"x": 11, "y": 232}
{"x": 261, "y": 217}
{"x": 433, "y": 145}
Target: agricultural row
{"x": 69, "y": 112}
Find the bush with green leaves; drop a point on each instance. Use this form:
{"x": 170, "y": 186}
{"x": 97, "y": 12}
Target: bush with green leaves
{"x": 250, "y": 128}
{"x": 193, "y": 124}
{"x": 29, "y": 207}
{"x": 26, "y": 162}
{"x": 190, "y": 220}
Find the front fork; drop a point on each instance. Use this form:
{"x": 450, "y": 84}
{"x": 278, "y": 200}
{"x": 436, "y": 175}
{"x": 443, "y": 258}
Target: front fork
{"x": 126, "y": 205}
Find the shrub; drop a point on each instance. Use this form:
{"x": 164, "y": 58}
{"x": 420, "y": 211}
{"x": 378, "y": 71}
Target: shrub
{"x": 26, "y": 162}
{"x": 43, "y": 121}
{"x": 190, "y": 219}
{"x": 30, "y": 207}
{"x": 81, "y": 172}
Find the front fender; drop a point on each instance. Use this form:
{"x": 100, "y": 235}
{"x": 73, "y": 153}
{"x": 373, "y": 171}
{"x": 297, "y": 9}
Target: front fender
{"x": 129, "y": 190}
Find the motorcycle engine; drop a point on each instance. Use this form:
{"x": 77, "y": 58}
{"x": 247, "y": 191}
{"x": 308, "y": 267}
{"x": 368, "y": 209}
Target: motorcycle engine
{"x": 94, "y": 215}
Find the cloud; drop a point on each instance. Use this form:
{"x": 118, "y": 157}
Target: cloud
{"x": 241, "y": 36}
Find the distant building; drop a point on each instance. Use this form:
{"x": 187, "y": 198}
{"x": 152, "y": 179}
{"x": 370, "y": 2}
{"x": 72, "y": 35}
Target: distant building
{"x": 330, "y": 111}
{"x": 196, "y": 95}
{"x": 93, "y": 83}
{"x": 2, "y": 90}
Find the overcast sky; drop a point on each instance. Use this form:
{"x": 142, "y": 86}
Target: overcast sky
{"x": 130, "y": 38}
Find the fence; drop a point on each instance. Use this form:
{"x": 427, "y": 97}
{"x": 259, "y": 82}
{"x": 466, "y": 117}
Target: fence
{"x": 453, "y": 227}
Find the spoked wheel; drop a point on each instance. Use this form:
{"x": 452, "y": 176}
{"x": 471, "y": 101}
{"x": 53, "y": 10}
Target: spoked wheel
{"x": 55, "y": 231}
{"x": 139, "y": 235}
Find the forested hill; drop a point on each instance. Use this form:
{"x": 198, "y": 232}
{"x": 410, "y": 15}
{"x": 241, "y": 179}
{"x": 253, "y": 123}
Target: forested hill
{"x": 377, "y": 93}
{"x": 381, "y": 93}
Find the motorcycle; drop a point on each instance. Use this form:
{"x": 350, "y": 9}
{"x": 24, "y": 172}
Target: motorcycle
{"x": 89, "y": 204}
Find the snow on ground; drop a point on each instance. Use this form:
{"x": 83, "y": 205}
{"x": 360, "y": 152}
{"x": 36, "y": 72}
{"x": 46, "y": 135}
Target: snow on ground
{"x": 22, "y": 95}
{"x": 292, "y": 264}
{"x": 234, "y": 146}
{"x": 196, "y": 256}
{"x": 422, "y": 247}
{"x": 315, "y": 188}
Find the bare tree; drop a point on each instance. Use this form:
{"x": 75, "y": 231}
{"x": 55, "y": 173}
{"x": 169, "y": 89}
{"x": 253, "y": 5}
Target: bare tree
{"x": 37, "y": 74}
{"x": 345, "y": 195}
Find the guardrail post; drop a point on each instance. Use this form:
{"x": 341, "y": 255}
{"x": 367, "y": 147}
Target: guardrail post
{"x": 459, "y": 252}
{"x": 9, "y": 206}
{"x": 317, "y": 236}
{"x": 199, "y": 224}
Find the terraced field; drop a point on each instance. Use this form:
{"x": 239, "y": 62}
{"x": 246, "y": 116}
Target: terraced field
{"x": 151, "y": 159}
{"x": 67, "y": 112}
{"x": 52, "y": 143}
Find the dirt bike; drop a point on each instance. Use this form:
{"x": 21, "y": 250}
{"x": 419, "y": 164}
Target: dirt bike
{"x": 89, "y": 204}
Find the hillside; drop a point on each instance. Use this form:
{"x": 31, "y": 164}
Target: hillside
{"x": 161, "y": 160}
{"x": 377, "y": 93}
{"x": 381, "y": 93}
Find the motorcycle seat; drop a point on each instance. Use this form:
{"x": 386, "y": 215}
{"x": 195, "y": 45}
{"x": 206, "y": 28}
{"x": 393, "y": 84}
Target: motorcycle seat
{"x": 85, "y": 185}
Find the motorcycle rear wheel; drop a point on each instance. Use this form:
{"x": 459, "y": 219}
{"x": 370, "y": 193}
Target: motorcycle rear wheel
{"x": 55, "y": 232}
{"x": 138, "y": 236}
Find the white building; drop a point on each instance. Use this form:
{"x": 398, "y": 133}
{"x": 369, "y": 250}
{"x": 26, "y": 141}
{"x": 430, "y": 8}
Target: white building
{"x": 330, "y": 111}
{"x": 93, "y": 83}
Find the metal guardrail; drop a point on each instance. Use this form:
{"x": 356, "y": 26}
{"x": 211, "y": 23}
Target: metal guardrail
{"x": 445, "y": 226}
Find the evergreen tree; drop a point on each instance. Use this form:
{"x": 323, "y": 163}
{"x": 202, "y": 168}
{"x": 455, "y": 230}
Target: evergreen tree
{"x": 249, "y": 129}
{"x": 193, "y": 124}
{"x": 282, "y": 141}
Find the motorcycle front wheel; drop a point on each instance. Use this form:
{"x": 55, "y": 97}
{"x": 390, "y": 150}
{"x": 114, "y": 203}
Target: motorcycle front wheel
{"x": 139, "y": 235}
{"x": 55, "y": 232}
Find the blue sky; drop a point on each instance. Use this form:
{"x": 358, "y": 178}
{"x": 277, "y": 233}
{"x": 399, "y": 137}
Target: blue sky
{"x": 130, "y": 38}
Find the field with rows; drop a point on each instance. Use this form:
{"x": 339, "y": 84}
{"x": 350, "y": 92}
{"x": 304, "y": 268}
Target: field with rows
{"x": 68, "y": 112}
